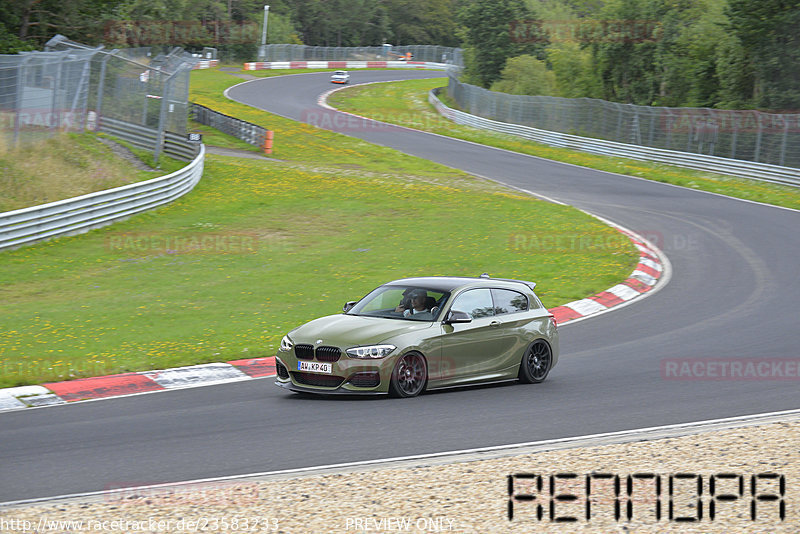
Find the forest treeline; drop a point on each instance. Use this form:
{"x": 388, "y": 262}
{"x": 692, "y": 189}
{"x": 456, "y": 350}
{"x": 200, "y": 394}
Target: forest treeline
{"x": 701, "y": 53}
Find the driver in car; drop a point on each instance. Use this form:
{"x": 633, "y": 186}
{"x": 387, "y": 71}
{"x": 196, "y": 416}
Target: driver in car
{"x": 416, "y": 306}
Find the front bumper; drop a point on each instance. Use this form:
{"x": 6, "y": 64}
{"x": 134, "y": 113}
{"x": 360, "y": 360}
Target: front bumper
{"x": 348, "y": 377}
{"x": 288, "y": 384}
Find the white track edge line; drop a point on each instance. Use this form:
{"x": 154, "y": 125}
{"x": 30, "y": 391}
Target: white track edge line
{"x": 552, "y": 160}
{"x": 465, "y": 455}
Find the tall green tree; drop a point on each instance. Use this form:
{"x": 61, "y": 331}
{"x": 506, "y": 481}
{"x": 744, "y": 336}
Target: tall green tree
{"x": 624, "y": 58}
{"x": 734, "y": 70}
{"x": 490, "y": 40}
{"x": 35, "y": 21}
{"x": 686, "y": 52}
{"x": 526, "y": 75}
{"x": 769, "y": 33}
{"x": 340, "y": 22}
{"x": 423, "y": 22}
{"x": 575, "y": 75}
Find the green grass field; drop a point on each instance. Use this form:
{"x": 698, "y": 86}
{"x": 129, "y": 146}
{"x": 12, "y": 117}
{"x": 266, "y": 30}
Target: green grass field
{"x": 261, "y": 246}
{"x": 406, "y": 103}
{"x": 61, "y": 167}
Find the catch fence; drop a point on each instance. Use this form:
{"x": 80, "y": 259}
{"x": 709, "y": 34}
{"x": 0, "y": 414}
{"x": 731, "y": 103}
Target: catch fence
{"x": 771, "y": 138}
{"x": 73, "y": 87}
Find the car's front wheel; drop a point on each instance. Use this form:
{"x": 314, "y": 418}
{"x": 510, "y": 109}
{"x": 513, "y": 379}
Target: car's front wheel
{"x": 409, "y": 376}
{"x": 536, "y": 362}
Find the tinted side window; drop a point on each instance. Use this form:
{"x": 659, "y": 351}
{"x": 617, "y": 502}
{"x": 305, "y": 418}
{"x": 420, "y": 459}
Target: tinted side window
{"x": 476, "y": 302}
{"x": 507, "y": 301}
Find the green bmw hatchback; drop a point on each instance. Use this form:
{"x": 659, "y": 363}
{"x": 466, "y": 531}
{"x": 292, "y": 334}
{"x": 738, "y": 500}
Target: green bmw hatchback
{"x": 419, "y": 334}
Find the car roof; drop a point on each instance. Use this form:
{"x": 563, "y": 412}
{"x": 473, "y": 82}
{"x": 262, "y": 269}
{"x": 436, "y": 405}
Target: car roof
{"x": 449, "y": 283}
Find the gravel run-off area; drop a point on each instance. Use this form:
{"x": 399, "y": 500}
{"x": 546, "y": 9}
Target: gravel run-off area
{"x": 473, "y": 496}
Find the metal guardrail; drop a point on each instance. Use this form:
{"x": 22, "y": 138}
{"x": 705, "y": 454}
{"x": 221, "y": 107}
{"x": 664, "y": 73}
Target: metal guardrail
{"x": 139, "y": 136}
{"x": 175, "y": 145}
{"x": 179, "y": 147}
{"x": 248, "y": 132}
{"x": 80, "y": 214}
{"x": 733, "y": 167}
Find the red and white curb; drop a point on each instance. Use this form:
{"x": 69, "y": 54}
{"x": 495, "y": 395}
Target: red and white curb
{"x": 102, "y": 387}
{"x": 650, "y": 272}
{"x": 206, "y": 64}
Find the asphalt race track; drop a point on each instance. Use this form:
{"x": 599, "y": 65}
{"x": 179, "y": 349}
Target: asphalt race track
{"x": 734, "y": 293}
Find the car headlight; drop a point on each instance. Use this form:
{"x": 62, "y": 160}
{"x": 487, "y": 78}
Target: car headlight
{"x": 371, "y": 352}
{"x": 286, "y": 344}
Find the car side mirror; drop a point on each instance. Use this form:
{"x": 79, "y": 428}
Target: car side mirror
{"x": 455, "y": 316}
{"x": 348, "y": 305}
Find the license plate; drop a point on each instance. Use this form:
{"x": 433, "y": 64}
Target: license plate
{"x": 315, "y": 367}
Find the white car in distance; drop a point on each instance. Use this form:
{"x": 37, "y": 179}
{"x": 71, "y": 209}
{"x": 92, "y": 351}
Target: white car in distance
{"x": 340, "y": 76}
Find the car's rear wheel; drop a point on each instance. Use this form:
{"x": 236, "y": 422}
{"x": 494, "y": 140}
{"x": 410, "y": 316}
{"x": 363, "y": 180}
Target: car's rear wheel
{"x": 409, "y": 376}
{"x": 536, "y": 362}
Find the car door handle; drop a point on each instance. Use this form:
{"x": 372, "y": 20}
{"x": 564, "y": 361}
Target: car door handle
{"x": 495, "y": 323}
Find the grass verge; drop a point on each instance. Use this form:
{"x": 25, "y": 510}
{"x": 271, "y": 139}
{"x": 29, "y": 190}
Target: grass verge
{"x": 259, "y": 247}
{"x": 406, "y": 103}
{"x": 63, "y": 166}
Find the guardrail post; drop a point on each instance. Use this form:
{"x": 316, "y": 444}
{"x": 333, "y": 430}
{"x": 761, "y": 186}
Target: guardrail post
{"x": 757, "y": 154}
{"x": 101, "y": 84}
{"x": 783, "y": 143}
{"x": 689, "y": 133}
{"x": 20, "y": 96}
{"x": 82, "y": 89}
{"x": 162, "y": 116}
{"x": 55, "y": 114}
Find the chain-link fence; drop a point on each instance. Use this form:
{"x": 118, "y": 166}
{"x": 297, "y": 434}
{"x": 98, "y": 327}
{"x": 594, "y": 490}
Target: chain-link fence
{"x": 42, "y": 92}
{"x": 291, "y": 52}
{"x": 72, "y": 87}
{"x": 750, "y": 135}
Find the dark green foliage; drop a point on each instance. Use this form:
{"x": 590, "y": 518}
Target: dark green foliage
{"x": 698, "y": 53}
{"x": 489, "y": 38}
{"x": 626, "y": 61}
{"x": 423, "y": 22}
{"x": 769, "y": 33}
{"x": 340, "y": 22}
{"x": 197, "y": 23}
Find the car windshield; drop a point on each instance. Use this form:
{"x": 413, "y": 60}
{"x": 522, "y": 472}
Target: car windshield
{"x": 402, "y": 302}
{"x": 339, "y": 73}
